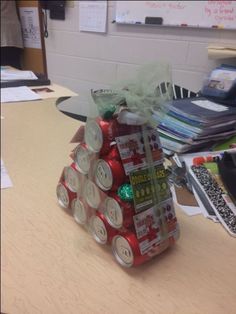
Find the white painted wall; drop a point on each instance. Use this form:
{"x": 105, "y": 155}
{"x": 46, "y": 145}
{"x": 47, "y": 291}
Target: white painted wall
{"x": 83, "y": 60}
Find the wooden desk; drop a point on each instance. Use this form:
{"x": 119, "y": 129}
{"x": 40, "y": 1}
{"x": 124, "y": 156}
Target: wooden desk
{"x": 51, "y": 265}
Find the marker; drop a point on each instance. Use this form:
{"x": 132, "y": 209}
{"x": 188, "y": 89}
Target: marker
{"x": 199, "y": 160}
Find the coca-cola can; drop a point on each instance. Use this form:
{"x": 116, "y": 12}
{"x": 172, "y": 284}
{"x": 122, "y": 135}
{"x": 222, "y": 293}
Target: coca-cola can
{"x": 125, "y": 248}
{"x": 82, "y": 158}
{"x": 114, "y": 152}
{"x": 80, "y": 211}
{"x": 72, "y": 178}
{"x": 109, "y": 174}
{"x": 100, "y": 229}
{"x": 99, "y": 134}
{"x": 117, "y": 212}
{"x": 92, "y": 194}
{"x": 64, "y": 195}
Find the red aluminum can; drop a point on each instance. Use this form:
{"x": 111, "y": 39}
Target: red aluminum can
{"x": 117, "y": 212}
{"x": 99, "y": 134}
{"x": 100, "y": 229}
{"x": 92, "y": 194}
{"x": 125, "y": 248}
{"x": 73, "y": 178}
{"x": 109, "y": 174}
{"x": 82, "y": 158}
{"x": 114, "y": 153}
{"x": 64, "y": 195}
{"x": 81, "y": 211}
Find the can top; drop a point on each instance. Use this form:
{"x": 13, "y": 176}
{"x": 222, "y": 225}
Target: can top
{"x": 82, "y": 159}
{"x": 93, "y": 136}
{"x": 98, "y": 229}
{"x": 92, "y": 195}
{"x": 122, "y": 251}
{"x": 79, "y": 211}
{"x": 62, "y": 196}
{"x": 113, "y": 213}
{"x": 72, "y": 179}
{"x": 103, "y": 175}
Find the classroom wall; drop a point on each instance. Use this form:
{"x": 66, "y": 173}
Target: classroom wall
{"x": 83, "y": 60}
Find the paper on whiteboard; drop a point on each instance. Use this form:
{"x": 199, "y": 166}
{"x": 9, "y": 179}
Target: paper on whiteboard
{"x": 30, "y": 27}
{"x": 93, "y": 16}
{"x": 5, "y": 179}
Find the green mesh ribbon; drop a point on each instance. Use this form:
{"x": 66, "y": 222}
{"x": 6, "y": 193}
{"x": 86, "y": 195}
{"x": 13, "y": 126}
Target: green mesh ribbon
{"x": 149, "y": 91}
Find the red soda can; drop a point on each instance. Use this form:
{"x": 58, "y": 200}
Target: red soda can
{"x": 82, "y": 158}
{"x": 64, "y": 195}
{"x": 109, "y": 174}
{"x": 126, "y": 250}
{"x": 99, "y": 134}
{"x": 117, "y": 212}
{"x": 100, "y": 229}
{"x": 114, "y": 153}
{"x": 81, "y": 211}
{"x": 92, "y": 194}
{"x": 73, "y": 178}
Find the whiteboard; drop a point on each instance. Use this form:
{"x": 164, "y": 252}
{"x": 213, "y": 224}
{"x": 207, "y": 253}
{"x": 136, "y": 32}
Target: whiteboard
{"x": 206, "y": 14}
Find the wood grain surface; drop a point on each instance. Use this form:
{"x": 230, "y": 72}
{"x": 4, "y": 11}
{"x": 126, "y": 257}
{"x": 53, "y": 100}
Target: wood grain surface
{"x": 50, "y": 264}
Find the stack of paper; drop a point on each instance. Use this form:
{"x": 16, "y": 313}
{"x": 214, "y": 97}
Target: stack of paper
{"x": 14, "y": 75}
{"x": 194, "y": 123}
{"x": 16, "y": 94}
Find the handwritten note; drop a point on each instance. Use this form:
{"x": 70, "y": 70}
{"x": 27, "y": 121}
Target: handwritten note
{"x": 220, "y": 12}
{"x": 207, "y": 14}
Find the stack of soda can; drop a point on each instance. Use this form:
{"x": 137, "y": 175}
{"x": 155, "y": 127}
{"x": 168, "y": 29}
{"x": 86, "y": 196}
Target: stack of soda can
{"x": 109, "y": 190}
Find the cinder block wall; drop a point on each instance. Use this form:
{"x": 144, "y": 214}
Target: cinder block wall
{"x": 84, "y": 60}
